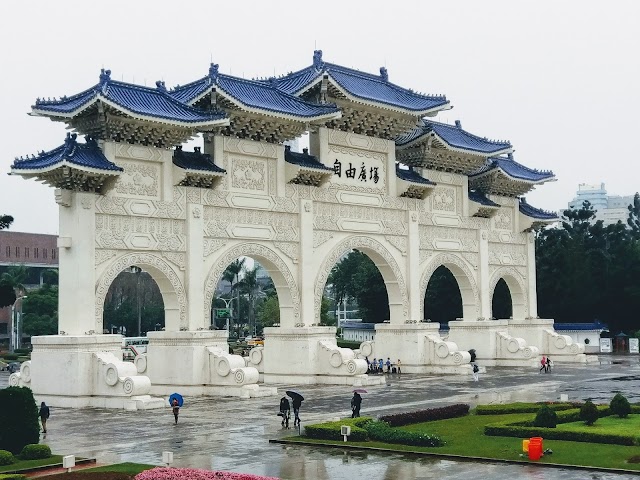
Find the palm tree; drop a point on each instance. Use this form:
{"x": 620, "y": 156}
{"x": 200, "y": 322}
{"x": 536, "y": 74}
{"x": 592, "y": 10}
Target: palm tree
{"x": 249, "y": 285}
{"x": 232, "y": 275}
{"x": 5, "y": 221}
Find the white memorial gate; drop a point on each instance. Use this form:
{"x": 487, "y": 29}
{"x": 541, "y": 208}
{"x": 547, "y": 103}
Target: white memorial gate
{"x": 381, "y": 177}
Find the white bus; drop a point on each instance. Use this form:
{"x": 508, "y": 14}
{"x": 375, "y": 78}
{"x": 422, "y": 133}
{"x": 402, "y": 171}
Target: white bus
{"x": 134, "y": 346}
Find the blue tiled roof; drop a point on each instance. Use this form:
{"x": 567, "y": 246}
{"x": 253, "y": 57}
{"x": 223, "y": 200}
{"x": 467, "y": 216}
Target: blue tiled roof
{"x": 87, "y": 155}
{"x": 481, "y": 198}
{"x": 374, "y": 88}
{"x": 304, "y": 159}
{"x": 195, "y": 160}
{"x": 454, "y": 136}
{"x": 597, "y": 325}
{"x": 253, "y": 94}
{"x": 409, "y": 175}
{"x": 135, "y": 100}
{"x": 514, "y": 170}
{"x": 534, "y": 212}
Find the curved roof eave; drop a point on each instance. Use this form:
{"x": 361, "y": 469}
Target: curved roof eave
{"x": 63, "y": 163}
{"x": 498, "y": 169}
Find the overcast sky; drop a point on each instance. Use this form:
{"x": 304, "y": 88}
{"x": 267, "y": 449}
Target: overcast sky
{"x": 559, "y": 79}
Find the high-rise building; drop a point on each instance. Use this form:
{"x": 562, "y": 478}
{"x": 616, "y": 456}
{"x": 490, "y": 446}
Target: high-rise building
{"x": 609, "y": 208}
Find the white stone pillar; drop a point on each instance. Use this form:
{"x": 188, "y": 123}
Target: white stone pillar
{"x": 391, "y": 169}
{"x": 280, "y": 167}
{"x": 306, "y": 271}
{"x": 319, "y": 146}
{"x": 531, "y": 275}
{"x": 76, "y": 258}
{"x": 194, "y": 273}
{"x": 416, "y": 297}
{"x": 483, "y": 275}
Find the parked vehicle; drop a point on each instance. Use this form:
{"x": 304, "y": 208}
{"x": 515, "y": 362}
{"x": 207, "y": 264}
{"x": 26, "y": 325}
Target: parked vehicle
{"x": 13, "y": 367}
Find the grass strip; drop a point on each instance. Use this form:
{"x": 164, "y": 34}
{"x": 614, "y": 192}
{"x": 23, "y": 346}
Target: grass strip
{"x": 28, "y": 464}
{"x": 126, "y": 467}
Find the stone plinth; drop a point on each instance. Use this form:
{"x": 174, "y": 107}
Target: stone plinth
{"x": 84, "y": 371}
{"x": 540, "y": 332}
{"x": 307, "y": 356}
{"x": 198, "y": 363}
{"x": 419, "y": 348}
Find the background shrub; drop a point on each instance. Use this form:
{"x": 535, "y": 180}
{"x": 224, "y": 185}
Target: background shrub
{"x": 18, "y": 419}
{"x": 383, "y": 432}
{"x": 331, "y": 430}
{"x": 620, "y": 406}
{"x": 10, "y": 356}
{"x": 22, "y": 351}
{"x": 589, "y": 413}
{"x": 545, "y": 417}
{"x": 35, "y": 452}
{"x": 6, "y": 458}
{"x": 523, "y": 408}
{"x": 428, "y": 415}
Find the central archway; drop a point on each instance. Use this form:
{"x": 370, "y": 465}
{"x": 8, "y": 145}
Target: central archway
{"x": 283, "y": 280}
{"x": 517, "y": 288}
{"x": 386, "y": 264}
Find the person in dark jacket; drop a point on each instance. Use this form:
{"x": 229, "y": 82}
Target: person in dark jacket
{"x": 176, "y": 409}
{"x": 285, "y": 411}
{"x": 356, "y": 401}
{"x": 44, "y": 416}
{"x": 297, "y": 402}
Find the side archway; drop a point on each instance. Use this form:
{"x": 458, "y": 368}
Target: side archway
{"x": 517, "y": 289}
{"x": 171, "y": 288}
{"x": 283, "y": 279}
{"x": 464, "y": 277}
{"x": 386, "y": 264}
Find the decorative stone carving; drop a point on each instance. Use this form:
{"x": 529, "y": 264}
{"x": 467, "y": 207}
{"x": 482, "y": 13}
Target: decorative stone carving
{"x": 361, "y": 243}
{"x": 197, "y": 212}
{"x": 348, "y": 139}
{"x": 260, "y": 253}
{"x": 503, "y": 220}
{"x": 452, "y": 262}
{"x": 444, "y": 199}
{"x": 217, "y": 222}
{"x": 466, "y": 240}
{"x": 178, "y": 259}
{"x": 507, "y": 254}
{"x": 399, "y": 242}
{"x": 86, "y": 203}
{"x": 134, "y": 233}
{"x": 138, "y": 179}
{"x": 247, "y": 147}
{"x": 211, "y": 245}
{"x": 158, "y": 265}
{"x": 319, "y": 237}
{"x": 102, "y": 256}
{"x": 327, "y": 217}
{"x": 289, "y": 249}
{"x": 249, "y": 174}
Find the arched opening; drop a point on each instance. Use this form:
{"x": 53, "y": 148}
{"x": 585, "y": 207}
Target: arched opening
{"x": 133, "y": 305}
{"x": 442, "y": 299}
{"x": 256, "y": 287}
{"x": 377, "y": 286}
{"x": 501, "y": 305}
{"x": 355, "y": 292}
{"x": 245, "y": 300}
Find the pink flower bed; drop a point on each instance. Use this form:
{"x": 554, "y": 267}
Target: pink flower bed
{"x": 164, "y": 473}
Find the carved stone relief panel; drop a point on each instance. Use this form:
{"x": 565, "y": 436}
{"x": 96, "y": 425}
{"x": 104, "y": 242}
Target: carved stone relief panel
{"x": 361, "y": 242}
{"x": 245, "y": 223}
{"x": 443, "y": 199}
{"x": 140, "y": 152}
{"x": 443, "y": 238}
{"x": 444, "y": 177}
{"x": 320, "y": 237}
{"x": 102, "y": 256}
{"x": 139, "y": 233}
{"x": 507, "y": 254}
{"x": 291, "y": 250}
{"x": 141, "y": 207}
{"x": 212, "y": 245}
{"x": 340, "y": 217}
{"x": 249, "y": 147}
{"x": 141, "y": 179}
{"x": 353, "y": 140}
{"x": 248, "y": 174}
{"x": 399, "y": 242}
{"x": 507, "y": 237}
{"x": 503, "y": 220}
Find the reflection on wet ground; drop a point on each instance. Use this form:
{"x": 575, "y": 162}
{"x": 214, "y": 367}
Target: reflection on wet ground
{"x": 230, "y": 434}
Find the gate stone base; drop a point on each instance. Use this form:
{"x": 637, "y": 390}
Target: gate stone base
{"x": 419, "y": 348}
{"x": 309, "y": 356}
{"x": 84, "y": 371}
{"x": 198, "y": 363}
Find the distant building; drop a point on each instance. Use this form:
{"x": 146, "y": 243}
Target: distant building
{"x": 586, "y": 333}
{"x": 358, "y": 331}
{"x": 36, "y": 251}
{"x": 609, "y": 208}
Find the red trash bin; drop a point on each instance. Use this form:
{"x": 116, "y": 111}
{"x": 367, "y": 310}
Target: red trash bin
{"x": 535, "y": 448}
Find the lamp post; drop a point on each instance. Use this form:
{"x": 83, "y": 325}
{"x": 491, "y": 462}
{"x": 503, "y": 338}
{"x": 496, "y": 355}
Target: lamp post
{"x": 229, "y": 306}
{"x": 15, "y": 338}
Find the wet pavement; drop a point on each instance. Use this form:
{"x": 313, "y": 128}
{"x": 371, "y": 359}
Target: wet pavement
{"x": 231, "y": 434}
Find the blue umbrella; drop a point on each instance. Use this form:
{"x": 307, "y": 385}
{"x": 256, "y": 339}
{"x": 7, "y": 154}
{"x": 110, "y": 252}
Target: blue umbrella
{"x": 176, "y": 396}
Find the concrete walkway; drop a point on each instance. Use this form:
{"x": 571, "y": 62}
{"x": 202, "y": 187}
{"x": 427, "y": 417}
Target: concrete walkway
{"x": 231, "y": 434}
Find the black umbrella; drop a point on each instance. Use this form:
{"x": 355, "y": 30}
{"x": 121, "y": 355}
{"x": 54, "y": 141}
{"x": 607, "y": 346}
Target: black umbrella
{"x": 294, "y": 395}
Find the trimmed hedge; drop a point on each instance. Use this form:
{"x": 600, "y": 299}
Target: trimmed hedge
{"x": 19, "y": 424}
{"x": 35, "y": 452}
{"x": 522, "y": 408}
{"x": 11, "y": 356}
{"x": 6, "y": 458}
{"x": 331, "y": 430}
{"x": 546, "y": 417}
{"x": 428, "y": 415}
{"x": 620, "y": 405}
{"x": 383, "y": 432}
{"x": 12, "y": 476}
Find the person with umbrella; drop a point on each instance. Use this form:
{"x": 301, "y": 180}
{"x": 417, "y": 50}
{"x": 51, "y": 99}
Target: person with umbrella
{"x": 356, "y": 401}
{"x": 296, "y": 403}
{"x": 176, "y": 401}
{"x": 285, "y": 411}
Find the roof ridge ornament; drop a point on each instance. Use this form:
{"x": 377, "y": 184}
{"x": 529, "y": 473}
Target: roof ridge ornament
{"x": 105, "y": 76}
{"x": 161, "y": 86}
{"x": 459, "y": 124}
{"x": 384, "y": 74}
{"x": 318, "y": 63}
{"x": 213, "y": 71}
{"x": 273, "y": 81}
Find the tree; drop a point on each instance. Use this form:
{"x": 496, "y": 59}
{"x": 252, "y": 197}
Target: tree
{"x": 12, "y": 285}
{"x": 269, "y": 312}
{"x": 589, "y": 413}
{"x": 40, "y": 311}
{"x": 634, "y": 215}
{"x": 546, "y": 417}
{"x": 620, "y": 405}
{"x": 232, "y": 275}
{"x": 5, "y": 221}
{"x": 18, "y": 419}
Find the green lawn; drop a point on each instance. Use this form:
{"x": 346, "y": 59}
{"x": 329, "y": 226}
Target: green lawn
{"x": 612, "y": 425}
{"x": 22, "y": 464}
{"x": 465, "y": 436}
{"x": 127, "y": 467}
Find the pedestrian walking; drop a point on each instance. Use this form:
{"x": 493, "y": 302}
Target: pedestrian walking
{"x": 548, "y": 369}
{"x": 176, "y": 409}
{"x": 356, "y": 401}
{"x": 543, "y": 363}
{"x": 476, "y": 371}
{"x": 285, "y": 411}
{"x": 44, "y": 416}
{"x": 398, "y": 365}
{"x": 297, "y": 402}
{"x": 368, "y": 364}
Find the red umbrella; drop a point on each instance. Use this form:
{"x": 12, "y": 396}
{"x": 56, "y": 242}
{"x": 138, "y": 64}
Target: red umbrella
{"x": 359, "y": 390}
